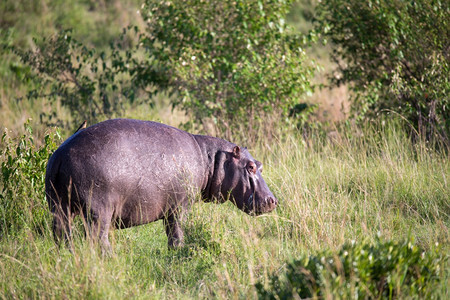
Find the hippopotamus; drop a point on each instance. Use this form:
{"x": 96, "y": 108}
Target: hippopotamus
{"x": 123, "y": 173}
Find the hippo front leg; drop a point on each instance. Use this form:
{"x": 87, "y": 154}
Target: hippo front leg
{"x": 175, "y": 235}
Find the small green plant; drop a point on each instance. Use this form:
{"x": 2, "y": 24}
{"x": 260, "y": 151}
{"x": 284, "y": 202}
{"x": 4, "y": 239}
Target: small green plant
{"x": 22, "y": 197}
{"x": 360, "y": 270}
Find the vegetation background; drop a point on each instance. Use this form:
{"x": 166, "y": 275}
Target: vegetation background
{"x": 346, "y": 103}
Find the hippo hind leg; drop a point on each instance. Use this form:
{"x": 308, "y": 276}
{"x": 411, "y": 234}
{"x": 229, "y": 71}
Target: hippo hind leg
{"x": 99, "y": 223}
{"x": 63, "y": 215}
{"x": 174, "y": 232}
{"x": 61, "y": 226}
{"x": 99, "y": 229}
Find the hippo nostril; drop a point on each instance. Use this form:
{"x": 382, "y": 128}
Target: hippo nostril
{"x": 271, "y": 201}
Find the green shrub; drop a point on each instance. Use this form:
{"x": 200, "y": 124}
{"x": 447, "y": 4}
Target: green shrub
{"x": 395, "y": 56}
{"x": 96, "y": 24}
{"x": 359, "y": 270}
{"x": 93, "y": 85}
{"x": 22, "y": 197}
{"x": 235, "y": 63}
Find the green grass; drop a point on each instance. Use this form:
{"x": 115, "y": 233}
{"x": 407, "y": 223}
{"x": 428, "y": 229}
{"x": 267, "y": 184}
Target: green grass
{"x": 354, "y": 187}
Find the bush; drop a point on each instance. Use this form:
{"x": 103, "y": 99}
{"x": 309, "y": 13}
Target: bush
{"x": 92, "y": 85}
{"x": 386, "y": 269}
{"x": 233, "y": 62}
{"x": 22, "y": 197}
{"x": 395, "y": 56}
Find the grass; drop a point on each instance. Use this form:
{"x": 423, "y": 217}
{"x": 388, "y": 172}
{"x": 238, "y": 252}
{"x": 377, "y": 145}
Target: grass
{"x": 355, "y": 186}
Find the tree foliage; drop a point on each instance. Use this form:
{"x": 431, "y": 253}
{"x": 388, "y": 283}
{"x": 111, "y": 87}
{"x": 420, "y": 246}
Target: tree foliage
{"x": 395, "y": 55}
{"x": 233, "y": 62}
{"x": 92, "y": 85}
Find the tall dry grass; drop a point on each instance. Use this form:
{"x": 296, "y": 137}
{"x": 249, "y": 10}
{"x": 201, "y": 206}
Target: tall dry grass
{"x": 354, "y": 185}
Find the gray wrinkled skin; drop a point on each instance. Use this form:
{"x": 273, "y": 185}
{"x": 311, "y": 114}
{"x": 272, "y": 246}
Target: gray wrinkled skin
{"x": 128, "y": 172}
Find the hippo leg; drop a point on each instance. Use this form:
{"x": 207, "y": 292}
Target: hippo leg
{"x": 61, "y": 226}
{"x": 99, "y": 229}
{"x": 174, "y": 233}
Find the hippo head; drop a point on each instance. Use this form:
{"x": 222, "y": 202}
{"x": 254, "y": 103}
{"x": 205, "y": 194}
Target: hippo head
{"x": 237, "y": 176}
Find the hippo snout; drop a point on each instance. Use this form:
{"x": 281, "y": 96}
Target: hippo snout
{"x": 269, "y": 204}
{"x": 262, "y": 206}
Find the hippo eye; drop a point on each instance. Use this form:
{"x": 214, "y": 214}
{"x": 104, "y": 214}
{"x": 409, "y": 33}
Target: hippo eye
{"x": 251, "y": 167}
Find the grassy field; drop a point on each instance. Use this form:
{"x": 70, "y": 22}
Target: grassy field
{"x": 350, "y": 185}
{"x": 353, "y": 186}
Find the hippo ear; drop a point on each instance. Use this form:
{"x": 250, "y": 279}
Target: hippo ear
{"x": 218, "y": 177}
{"x": 237, "y": 152}
{"x": 259, "y": 165}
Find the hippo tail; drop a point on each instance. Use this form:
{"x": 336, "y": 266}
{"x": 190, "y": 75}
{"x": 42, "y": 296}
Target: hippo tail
{"x": 51, "y": 176}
